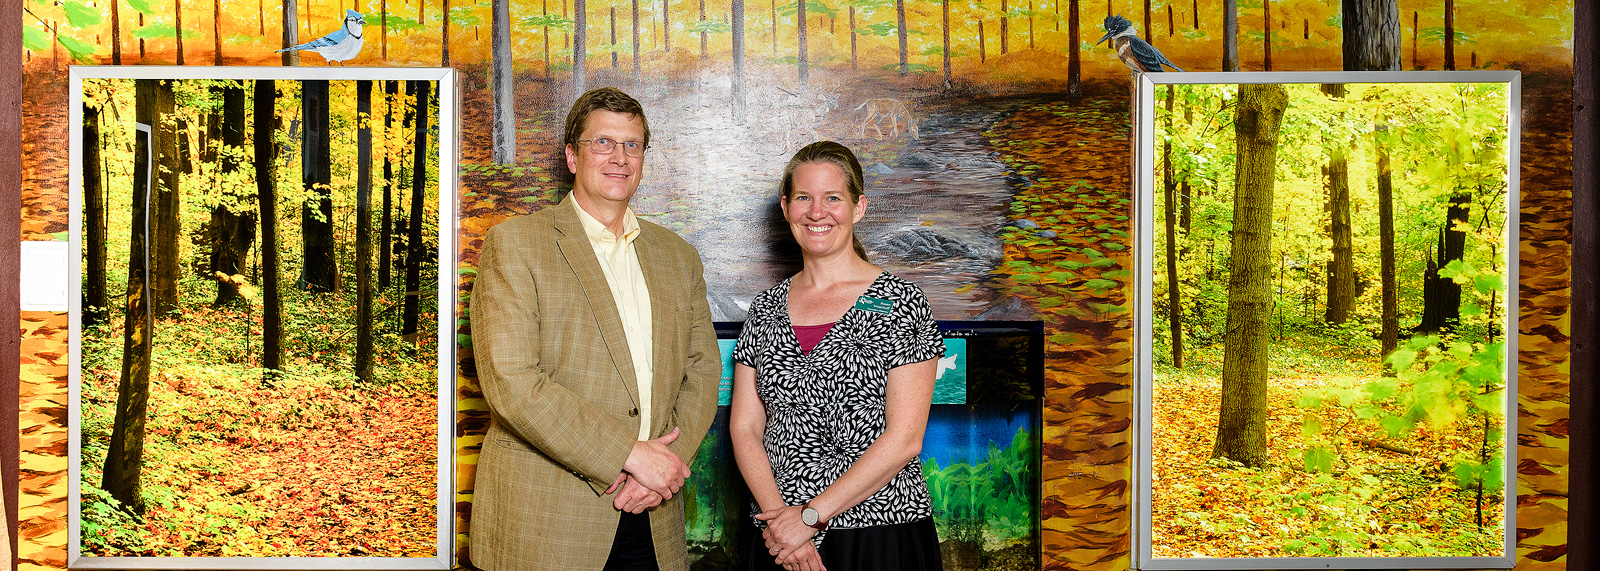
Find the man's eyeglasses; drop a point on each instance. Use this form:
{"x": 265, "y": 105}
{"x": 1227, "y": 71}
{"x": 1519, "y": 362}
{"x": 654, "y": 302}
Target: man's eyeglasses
{"x": 604, "y": 146}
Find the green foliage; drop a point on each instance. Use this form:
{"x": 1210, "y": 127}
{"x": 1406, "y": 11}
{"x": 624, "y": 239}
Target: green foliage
{"x": 879, "y": 30}
{"x": 551, "y": 20}
{"x": 142, "y": 6}
{"x": 813, "y": 8}
{"x": 158, "y": 31}
{"x": 35, "y": 39}
{"x": 79, "y": 14}
{"x": 399, "y": 23}
{"x": 80, "y": 50}
{"x": 987, "y": 503}
{"x": 710, "y": 27}
{"x": 466, "y": 16}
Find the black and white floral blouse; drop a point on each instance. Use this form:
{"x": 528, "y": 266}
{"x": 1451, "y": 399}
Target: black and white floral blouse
{"x": 826, "y": 407}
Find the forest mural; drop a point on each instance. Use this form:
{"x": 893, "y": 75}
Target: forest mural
{"x": 995, "y": 133}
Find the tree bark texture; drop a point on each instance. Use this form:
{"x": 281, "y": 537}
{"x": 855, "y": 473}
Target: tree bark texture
{"x": 1341, "y": 296}
{"x": 1389, "y": 337}
{"x": 233, "y": 224}
{"x": 1230, "y": 35}
{"x": 504, "y": 89}
{"x": 419, "y": 188}
{"x": 1169, "y": 187}
{"x": 800, "y": 40}
{"x": 167, "y": 218}
{"x": 95, "y": 310}
{"x": 363, "y": 358}
{"x": 1371, "y": 35}
{"x": 266, "y": 160}
{"x": 1241, "y": 425}
{"x": 580, "y": 42}
{"x": 319, "y": 270}
{"x": 391, "y": 91}
{"x": 900, "y": 27}
{"x": 737, "y": 8}
{"x": 1441, "y": 296}
{"x": 1074, "y": 57}
{"x": 125, "y": 455}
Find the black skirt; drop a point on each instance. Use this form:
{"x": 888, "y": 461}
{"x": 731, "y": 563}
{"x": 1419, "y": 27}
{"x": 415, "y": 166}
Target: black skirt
{"x": 912, "y": 546}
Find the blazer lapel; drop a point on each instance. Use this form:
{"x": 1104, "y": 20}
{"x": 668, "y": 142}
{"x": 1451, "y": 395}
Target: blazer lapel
{"x": 579, "y": 254}
{"x": 663, "y": 323}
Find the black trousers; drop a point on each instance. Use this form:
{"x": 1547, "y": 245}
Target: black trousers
{"x": 633, "y": 549}
{"x": 911, "y": 546}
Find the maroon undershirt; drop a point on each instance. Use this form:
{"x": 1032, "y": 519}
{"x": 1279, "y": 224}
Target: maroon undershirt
{"x": 810, "y": 335}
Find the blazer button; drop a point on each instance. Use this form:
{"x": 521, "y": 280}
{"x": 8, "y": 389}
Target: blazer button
{"x": 633, "y": 411}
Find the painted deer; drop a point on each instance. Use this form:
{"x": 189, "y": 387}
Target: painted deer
{"x": 886, "y": 109}
{"x": 802, "y": 118}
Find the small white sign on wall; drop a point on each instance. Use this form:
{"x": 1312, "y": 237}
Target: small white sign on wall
{"x": 44, "y": 276}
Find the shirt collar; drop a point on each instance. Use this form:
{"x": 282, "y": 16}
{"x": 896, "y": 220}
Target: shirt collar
{"x": 598, "y": 233}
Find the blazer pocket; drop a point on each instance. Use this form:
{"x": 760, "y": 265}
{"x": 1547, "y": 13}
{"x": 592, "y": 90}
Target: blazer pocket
{"x": 512, "y": 443}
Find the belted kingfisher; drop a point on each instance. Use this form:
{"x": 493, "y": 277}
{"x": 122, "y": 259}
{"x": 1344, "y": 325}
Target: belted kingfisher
{"x": 1134, "y": 52}
{"x": 341, "y": 45}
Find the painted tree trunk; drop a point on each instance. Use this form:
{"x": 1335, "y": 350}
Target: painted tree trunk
{"x": 580, "y": 40}
{"x": 1371, "y": 35}
{"x": 1230, "y": 35}
{"x": 291, "y": 34}
{"x": 900, "y": 27}
{"x": 503, "y": 88}
{"x": 737, "y": 8}
{"x": 800, "y": 41}
{"x": 1074, "y": 53}
{"x": 1241, "y": 425}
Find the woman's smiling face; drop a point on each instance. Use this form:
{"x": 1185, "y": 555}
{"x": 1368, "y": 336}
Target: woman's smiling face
{"x": 819, "y": 210}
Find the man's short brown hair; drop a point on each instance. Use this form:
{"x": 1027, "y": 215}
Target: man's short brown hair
{"x": 607, "y": 98}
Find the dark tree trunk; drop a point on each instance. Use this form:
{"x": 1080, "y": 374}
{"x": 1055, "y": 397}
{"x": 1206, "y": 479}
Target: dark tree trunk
{"x": 983, "y": 54}
{"x": 216, "y": 32}
{"x": 666, "y": 25}
{"x": 419, "y": 188}
{"x": 737, "y": 8}
{"x": 580, "y": 58}
{"x": 364, "y": 232}
{"x": 266, "y": 161}
{"x": 1147, "y": 30}
{"x": 1441, "y": 296}
{"x": 1230, "y": 35}
{"x": 167, "y": 217}
{"x": 1266, "y": 34}
{"x": 702, "y": 34}
{"x": 444, "y": 36}
{"x": 1169, "y": 188}
{"x": 95, "y": 310}
{"x": 1371, "y": 35}
{"x": 1449, "y": 34}
{"x": 125, "y": 456}
{"x": 614, "y": 61}
{"x": 319, "y": 270}
{"x": 1074, "y": 57}
{"x": 177, "y": 15}
{"x": 1241, "y": 426}
{"x": 232, "y": 232}
{"x": 391, "y": 91}
{"x": 504, "y": 90}
{"x": 116, "y": 33}
{"x": 1341, "y": 233}
{"x": 1389, "y": 338}
{"x": 1005, "y": 28}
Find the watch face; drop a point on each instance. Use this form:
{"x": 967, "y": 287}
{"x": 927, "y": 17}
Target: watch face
{"x": 808, "y": 516}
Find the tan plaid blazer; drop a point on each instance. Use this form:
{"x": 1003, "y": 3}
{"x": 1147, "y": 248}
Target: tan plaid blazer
{"x": 554, "y": 366}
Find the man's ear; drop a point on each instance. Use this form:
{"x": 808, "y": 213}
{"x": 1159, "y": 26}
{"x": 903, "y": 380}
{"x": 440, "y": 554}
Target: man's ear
{"x": 572, "y": 159}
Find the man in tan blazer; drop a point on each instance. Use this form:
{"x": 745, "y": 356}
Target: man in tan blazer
{"x": 595, "y": 350}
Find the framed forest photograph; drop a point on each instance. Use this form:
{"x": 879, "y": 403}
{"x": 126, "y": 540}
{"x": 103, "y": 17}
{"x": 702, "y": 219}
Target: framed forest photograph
{"x": 1326, "y": 336}
{"x": 262, "y": 330}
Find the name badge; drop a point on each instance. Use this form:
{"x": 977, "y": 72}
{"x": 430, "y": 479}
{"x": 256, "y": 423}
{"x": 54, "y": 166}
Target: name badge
{"x": 874, "y": 305}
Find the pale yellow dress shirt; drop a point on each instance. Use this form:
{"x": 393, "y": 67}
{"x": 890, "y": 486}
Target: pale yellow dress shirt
{"x": 620, "y": 262}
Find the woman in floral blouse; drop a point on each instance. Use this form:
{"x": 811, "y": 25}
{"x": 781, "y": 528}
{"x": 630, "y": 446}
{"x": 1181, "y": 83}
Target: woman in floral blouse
{"x": 832, "y": 383}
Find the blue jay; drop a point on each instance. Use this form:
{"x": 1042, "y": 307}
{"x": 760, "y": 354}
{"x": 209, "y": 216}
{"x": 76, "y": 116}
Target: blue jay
{"x": 341, "y": 45}
{"x": 1134, "y": 52}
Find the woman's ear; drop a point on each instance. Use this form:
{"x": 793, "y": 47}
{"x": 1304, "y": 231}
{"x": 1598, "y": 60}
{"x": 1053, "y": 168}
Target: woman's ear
{"x": 861, "y": 210}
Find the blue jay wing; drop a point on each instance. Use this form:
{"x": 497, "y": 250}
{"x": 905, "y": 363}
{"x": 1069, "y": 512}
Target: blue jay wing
{"x": 322, "y": 42}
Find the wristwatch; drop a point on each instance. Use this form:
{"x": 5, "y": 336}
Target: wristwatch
{"x": 811, "y": 518}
